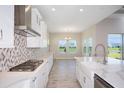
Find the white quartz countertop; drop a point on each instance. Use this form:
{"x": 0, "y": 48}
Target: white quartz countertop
{"x": 112, "y": 72}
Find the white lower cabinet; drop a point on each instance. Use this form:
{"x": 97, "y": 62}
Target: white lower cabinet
{"x": 40, "y": 80}
{"x": 84, "y": 80}
{"x": 22, "y": 84}
{"x": 50, "y": 59}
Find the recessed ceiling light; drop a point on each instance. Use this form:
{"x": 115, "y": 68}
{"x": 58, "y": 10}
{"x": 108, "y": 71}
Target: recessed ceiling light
{"x": 81, "y": 10}
{"x": 53, "y": 9}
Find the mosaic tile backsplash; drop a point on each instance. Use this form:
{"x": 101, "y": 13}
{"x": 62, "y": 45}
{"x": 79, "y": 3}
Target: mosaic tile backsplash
{"x": 10, "y": 57}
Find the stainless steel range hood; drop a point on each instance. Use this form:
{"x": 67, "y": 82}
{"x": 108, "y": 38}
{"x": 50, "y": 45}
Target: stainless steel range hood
{"x": 23, "y": 25}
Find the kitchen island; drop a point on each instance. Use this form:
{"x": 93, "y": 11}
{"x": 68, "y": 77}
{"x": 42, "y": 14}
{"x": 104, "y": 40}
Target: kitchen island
{"x": 112, "y": 72}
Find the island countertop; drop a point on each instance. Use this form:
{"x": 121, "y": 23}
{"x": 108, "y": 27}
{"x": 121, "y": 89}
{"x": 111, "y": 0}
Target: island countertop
{"x": 112, "y": 71}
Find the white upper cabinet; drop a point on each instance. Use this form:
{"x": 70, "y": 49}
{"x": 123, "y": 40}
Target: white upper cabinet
{"x": 34, "y": 42}
{"x": 36, "y": 20}
{"x": 6, "y": 26}
{"x": 44, "y": 35}
{"x": 41, "y": 28}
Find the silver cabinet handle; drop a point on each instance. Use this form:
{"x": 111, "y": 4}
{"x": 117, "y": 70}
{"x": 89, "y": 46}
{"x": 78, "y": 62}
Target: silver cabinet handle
{"x": 34, "y": 79}
{"x": 43, "y": 74}
{"x": 84, "y": 79}
{"x": 37, "y": 19}
{"x": 1, "y": 34}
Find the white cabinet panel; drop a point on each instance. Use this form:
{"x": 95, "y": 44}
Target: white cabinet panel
{"x": 36, "y": 20}
{"x": 39, "y": 81}
{"x": 33, "y": 42}
{"x": 21, "y": 84}
{"x": 81, "y": 74}
{"x": 40, "y": 27}
{"x": 44, "y": 35}
{"x": 50, "y": 63}
{"x": 41, "y": 78}
{"x": 6, "y": 26}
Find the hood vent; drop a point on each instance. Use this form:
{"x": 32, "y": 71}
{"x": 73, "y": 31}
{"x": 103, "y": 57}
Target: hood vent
{"x": 23, "y": 21}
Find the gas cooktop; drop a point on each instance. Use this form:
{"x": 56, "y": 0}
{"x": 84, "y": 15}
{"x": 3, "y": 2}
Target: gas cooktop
{"x": 27, "y": 66}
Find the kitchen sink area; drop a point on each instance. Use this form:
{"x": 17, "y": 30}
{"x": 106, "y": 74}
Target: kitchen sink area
{"x": 111, "y": 73}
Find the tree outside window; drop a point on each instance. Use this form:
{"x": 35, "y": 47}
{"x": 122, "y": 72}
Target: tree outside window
{"x": 67, "y": 46}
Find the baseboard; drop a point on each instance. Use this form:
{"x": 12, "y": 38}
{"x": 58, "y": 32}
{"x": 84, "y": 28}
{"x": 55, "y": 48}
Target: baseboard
{"x": 63, "y": 58}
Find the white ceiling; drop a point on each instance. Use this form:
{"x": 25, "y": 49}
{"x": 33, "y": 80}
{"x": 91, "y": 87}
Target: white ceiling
{"x": 68, "y": 18}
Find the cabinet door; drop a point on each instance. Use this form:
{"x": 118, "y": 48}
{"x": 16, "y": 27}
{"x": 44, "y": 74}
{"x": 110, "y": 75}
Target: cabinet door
{"x": 45, "y": 80}
{"x": 33, "y": 42}
{"x": 39, "y": 80}
{"x": 45, "y": 75}
{"x": 21, "y": 84}
{"x": 88, "y": 83}
{"x": 83, "y": 78}
{"x": 41, "y": 77}
{"x": 79, "y": 74}
{"x": 50, "y": 63}
{"x": 85, "y": 81}
{"x": 36, "y": 20}
{"x": 44, "y": 35}
{"x": 77, "y": 71}
{"x": 6, "y": 26}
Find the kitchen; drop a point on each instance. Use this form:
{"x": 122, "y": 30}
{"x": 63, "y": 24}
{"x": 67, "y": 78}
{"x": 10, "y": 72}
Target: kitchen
{"x": 42, "y": 48}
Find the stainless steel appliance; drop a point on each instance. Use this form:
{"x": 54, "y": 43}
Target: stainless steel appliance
{"x": 23, "y": 19}
{"x": 100, "y": 83}
{"x": 29, "y": 65}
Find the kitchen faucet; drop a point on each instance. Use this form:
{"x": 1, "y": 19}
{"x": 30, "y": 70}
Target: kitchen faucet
{"x": 104, "y": 55}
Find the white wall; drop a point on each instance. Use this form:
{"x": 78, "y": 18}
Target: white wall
{"x": 108, "y": 26}
{"x": 54, "y": 39}
{"x": 100, "y": 31}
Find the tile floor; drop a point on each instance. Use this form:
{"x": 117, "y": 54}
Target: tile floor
{"x": 63, "y": 75}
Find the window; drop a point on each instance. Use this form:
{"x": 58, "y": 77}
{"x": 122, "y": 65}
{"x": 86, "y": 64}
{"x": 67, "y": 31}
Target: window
{"x": 115, "y": 46}
{"x": 87, "y": 49}
{"x": 67, "y": 46}
{"x": 72, "y": 46}
{"x": 62, "y": 45}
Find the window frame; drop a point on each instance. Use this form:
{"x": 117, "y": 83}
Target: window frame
{"x": 122, "y": 45}
{"x": 67, "y": 46}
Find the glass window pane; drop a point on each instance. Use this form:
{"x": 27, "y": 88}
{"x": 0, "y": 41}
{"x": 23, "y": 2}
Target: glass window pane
{"x": 72, "y": 46}
{"x": 62, "y": 45}
{"x": 87, "y": 47}
{"x": 67, "y": 46}
{"x": 114, "y": 46}
{"x": 90, "y": 46}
